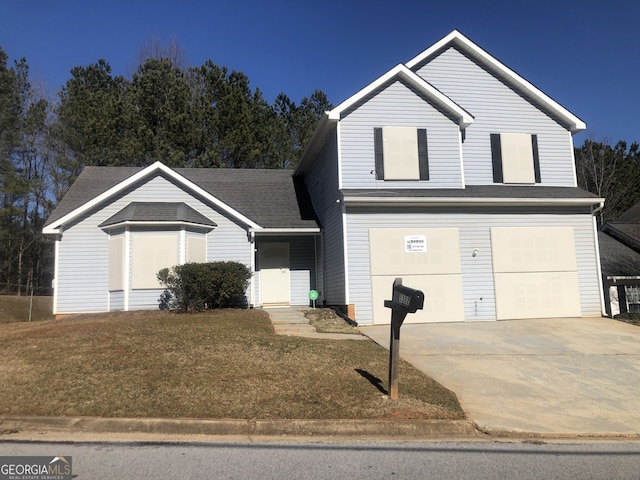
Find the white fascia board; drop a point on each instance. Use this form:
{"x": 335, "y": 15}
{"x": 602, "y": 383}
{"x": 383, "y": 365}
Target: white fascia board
{"x": 462, "y": 201}
{"x": 286, "y": 231}
{"x": 149, "y": 223}
{"x": 55, "y": 226}
{"x": 402, "y": 72}
{"x": 455, "y": 38}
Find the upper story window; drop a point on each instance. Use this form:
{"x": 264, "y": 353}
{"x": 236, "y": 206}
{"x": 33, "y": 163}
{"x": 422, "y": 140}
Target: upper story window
{"x": 401, "y": 153}
{"x": 515, "y": 158}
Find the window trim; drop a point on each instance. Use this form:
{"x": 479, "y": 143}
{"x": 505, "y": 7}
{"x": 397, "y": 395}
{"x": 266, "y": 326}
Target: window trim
{"x": 498, "y": 164}
{"x": 422, "y": 155}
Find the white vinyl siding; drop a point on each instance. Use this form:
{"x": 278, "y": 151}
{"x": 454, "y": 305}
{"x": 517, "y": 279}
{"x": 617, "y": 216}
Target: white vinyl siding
{"x": 498, "y": 108}
{"x": 151, "y": 253}
{"x": 474, "y": 237}
{"x": 83, "y": 277}
{"x": 116, "y": 263}
{"x": 116, "y": 301}
{"x": 322, "y": 184}
{"x": 397, "y": 105}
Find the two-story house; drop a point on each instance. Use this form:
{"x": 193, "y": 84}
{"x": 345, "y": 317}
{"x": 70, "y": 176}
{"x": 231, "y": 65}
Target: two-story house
{"x": 450, "y": 171}
{"x": 458, "y": 175}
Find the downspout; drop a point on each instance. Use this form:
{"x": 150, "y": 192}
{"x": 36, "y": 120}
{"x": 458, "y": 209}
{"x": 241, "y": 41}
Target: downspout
{"x": 56, "y": 263}
{"x": 594, "y": 210}
{"x": 252, "y": 282}
{"x": 182, "y": 251}
{"x": 127, "y": 269}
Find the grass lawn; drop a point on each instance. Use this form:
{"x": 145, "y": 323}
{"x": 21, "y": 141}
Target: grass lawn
{"x": 220, "y": 364}
{"x": 16, "y": 309}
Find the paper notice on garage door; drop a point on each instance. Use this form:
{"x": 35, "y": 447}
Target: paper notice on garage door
{"x": 415, "y": 243}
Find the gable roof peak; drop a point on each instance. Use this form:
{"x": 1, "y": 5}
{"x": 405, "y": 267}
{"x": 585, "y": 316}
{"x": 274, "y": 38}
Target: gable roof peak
{"x": 55, "y": 227}
{"x": 511, "y": 78}
{"x": 401, "y": 71}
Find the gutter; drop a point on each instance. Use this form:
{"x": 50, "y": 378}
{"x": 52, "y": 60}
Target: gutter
{"x": 285, "y": 231}
{"x": 479, "y": 202}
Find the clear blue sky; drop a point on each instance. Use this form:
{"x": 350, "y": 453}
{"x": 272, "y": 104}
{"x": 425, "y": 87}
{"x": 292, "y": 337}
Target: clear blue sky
{"x": 584, "y": 54}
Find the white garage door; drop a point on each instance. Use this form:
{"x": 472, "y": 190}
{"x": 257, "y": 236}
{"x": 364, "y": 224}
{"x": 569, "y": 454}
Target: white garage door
{"x": 427, "y": 259}
{"x": 535, "y": 272}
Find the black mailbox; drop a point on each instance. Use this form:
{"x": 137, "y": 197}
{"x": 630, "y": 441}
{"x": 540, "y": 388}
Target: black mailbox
{"x": 406, "y": 299}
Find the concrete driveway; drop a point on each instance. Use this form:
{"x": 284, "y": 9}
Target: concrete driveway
{"x": 569, "y": 376}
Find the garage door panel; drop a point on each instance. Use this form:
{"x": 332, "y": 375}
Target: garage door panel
{"x": 433, "y": 251}
{"x": 443, "y": 298}
{"x": 537, "y": 295}
{"x": 533, "y": 249}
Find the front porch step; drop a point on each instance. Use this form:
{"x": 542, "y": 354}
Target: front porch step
{"x": 290, "y": 328}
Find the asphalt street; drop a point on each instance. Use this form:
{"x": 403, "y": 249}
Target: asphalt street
{"x": 352, "y": 460}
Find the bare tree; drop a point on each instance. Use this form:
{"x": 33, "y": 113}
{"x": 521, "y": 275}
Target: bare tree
{"x": 609, "y": 172}
{"x": 154, "y": 48}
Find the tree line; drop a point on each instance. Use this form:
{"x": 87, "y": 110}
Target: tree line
{"x": 612, "y": 172}
{"x": 205, "y": 116}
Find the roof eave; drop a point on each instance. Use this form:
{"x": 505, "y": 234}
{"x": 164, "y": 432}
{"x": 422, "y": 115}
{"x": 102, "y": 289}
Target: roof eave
{"x": 463, "y": 201}
{"x": 56, "y": 227}
{"x": 287, "y": 231}
{"x": 146, "y": 223}
{"x": 322, "y": 131}
{"x": 464, "y": 119}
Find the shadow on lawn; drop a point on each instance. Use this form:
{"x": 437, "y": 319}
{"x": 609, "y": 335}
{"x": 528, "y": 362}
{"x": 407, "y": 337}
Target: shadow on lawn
{"x": 375, "y": 381}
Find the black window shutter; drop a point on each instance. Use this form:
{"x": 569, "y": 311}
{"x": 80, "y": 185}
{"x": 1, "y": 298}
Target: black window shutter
{"x": 379, "y": 157}
{"x": 423, "y": 154}
{"x": 496, "y": 158}
{"x": 536, "y": 158}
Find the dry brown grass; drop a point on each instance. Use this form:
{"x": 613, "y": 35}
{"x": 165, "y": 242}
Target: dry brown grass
{"x": 222, "y": 364}
{"x": 16, "y": 309}
{"x": 325, "y": 320}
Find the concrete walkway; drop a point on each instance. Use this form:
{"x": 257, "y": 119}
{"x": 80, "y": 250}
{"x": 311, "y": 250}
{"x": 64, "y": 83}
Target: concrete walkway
{"x": 552, "y": 377}
{"x": 291, "y": 321}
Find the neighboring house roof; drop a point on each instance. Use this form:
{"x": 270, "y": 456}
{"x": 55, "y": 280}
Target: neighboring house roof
{"x": 620, "y": 245}
{"x": 617, "y": 259}
{"x": 478, "y": 194}
{"x": 627, "y": 233}
{"x": 158, "y": 212}
{"x": 630, "y": 216}
{"x": 511, "y": 78}
{"x": 261, "y": 199}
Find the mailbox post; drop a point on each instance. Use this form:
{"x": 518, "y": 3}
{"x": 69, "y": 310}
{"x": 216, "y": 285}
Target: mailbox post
{"x": 403, "y": 300}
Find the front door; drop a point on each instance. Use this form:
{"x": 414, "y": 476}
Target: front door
{"x": 274, "y": 273}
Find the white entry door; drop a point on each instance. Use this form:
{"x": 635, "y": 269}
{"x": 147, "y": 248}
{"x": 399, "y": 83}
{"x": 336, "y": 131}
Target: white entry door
{"x": 274, "y": 273}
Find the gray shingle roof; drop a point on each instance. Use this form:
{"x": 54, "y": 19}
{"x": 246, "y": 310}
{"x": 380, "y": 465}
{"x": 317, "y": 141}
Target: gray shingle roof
{"x": 627, "y": 233}
{"x": 616, "y": 258}
{"x": 630, "y": 216}
{"x": 268, "y": 197}
{"x": 158, "y": 212}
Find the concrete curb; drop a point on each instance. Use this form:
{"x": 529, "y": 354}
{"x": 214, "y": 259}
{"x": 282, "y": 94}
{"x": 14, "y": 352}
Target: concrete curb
{"x": 10, "y": 427}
